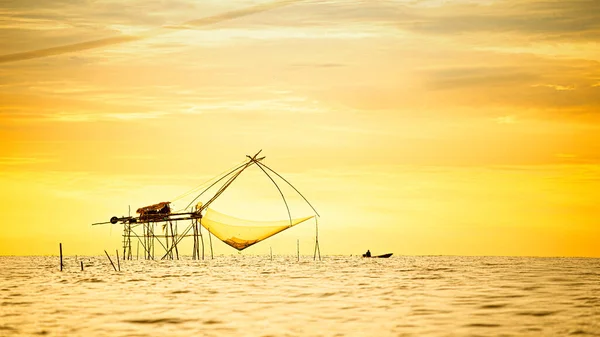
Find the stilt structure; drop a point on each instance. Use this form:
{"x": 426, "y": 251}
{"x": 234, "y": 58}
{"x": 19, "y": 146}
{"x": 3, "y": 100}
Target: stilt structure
{"x": 235, "y": 232}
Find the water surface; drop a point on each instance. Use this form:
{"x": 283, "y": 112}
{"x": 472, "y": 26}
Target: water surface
{"x": 339, "y": 296}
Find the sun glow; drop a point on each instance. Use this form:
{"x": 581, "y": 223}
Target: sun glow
{"x": 433, "y": 127}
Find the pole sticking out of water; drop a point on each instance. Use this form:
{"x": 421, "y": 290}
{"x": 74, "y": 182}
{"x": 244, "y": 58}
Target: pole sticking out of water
{"x": 298, "y": 245}
{"x": 211, "y": 250}
{"x": 118, "y": 263}
{"x": 61, "y": 263}
{"x": 81, "y": 265}
{"x": 271, "y": 248}
{"x": 115, "y": 268}
{"x": 137, "y": 257}
{"x": 317, "y": 248}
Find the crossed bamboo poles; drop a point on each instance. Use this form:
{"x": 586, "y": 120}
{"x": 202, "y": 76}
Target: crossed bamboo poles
{"x": 147, "y": 239}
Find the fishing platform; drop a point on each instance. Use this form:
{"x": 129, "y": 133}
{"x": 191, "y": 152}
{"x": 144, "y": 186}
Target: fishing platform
{"x": 237, "y": 233}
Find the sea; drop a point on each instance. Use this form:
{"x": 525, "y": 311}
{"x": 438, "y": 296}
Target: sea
{"x": 242, "y": 295}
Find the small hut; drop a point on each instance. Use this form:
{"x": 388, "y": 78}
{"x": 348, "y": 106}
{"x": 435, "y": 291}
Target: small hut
{"x": 156, "y": 212}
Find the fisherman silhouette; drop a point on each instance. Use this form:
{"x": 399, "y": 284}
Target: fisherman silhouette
{"x": 367, "y": 254}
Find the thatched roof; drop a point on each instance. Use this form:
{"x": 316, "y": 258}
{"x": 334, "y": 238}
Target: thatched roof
{"x": 161, "y": 207}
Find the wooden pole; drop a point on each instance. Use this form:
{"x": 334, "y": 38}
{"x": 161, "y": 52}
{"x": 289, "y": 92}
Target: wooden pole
{"x": 195, "y": 234}
{"x": 146, "y": 246}
{"x": 61, "y": 261}
{"x": 174, "y": 241}
{"x": 317, "y": 248}
{"x": 153, "y": 239}
{"x": 220, "y": 191}
{"x": 298, "y": 245}
{"x": 130, "y": 255}
{"x": 109, "y": 259}
{"x": 197, "y": 239}
{"x": 124, "y": 241}
{"x": 271, "y": 249}
{"x": 118, "y": 263}
{"x": 201, "y": 239}
{"x": 167, "y": 237}
{"x": 81, "y": 265}
{"x": 210, "y": 239}
{"x": 137, "y": 257}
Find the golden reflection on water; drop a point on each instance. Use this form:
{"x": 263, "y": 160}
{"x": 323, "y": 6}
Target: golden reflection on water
{"x": 339, "y": 296}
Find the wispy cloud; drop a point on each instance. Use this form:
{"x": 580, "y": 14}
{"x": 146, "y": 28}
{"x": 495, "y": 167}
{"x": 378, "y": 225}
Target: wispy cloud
{"x": 76, "y": 47}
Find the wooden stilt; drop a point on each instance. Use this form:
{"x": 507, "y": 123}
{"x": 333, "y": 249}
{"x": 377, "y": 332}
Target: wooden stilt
{"x": 81, "y": 265}
{"x": 317, "y": 248}
{"x": 145, "y": 228}
{"x": 124, "y": 240}
{"x": 130, "y": 256}
{"x": 147, "y": 240}
{"x": 109, "y": 259}
{"x": 118, "y": 263}
{"x": 298, "y": 245}
{"x": 174, "y": 241}
{"x": 201, "y": 238}
{"x": 210, "y": 240}
{"x": 61, "y": 260}
{"x": 167, "y": 237}
{"x": 195, "y": 234}
{"x": 271, "y": 249}
{"x": 153, "y": 238}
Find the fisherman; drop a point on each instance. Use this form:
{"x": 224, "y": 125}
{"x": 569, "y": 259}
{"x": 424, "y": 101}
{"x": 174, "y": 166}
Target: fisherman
{"x": 368, "y": 253}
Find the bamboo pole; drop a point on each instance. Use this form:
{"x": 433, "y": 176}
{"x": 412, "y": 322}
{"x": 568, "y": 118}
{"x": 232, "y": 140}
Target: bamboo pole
{"x": 219, "y": 192}
{"x": 153, "y": 240}
{"x": 167, "y": 237}
{"x": 147, "y": 239}
{"x": 130, "y": 255}
{"x": 195, "y": 233}
{"x": 118, "y": 263}
{"x": 124, "y": 241}
{"x": 146, "y": 247}
{"x": 216, "y": 182}
{"x": 292, "y": 186}
{"x": 280, "y": 192}
{"x": 81, "y": 265}
{"x": 109, "y": 259}
{"x": 271, "y": 249}
{"x": 174, "y": 241}
{"x": 298, "y": 245}
{"x": 137, "y": 257}
{"x": 61, "y": 260}
{"x": 201, "y": 238}
{"x": 210, "y": 239}
{"x": 317, "y": 248}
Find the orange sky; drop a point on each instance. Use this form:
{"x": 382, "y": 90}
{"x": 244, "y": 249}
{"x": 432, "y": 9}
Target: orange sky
{"x": 415, "y": 127}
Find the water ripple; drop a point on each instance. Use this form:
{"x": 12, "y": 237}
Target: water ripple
{"x": 339, "y": 296}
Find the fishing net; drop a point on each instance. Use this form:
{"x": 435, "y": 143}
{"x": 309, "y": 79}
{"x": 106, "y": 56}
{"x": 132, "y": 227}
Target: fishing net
{"x": 240, "y": 233}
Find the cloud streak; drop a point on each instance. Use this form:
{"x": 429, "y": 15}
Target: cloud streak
{"x": 77, "y": 47}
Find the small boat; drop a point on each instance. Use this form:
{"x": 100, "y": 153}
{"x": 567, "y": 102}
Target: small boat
{"x": 384, "y": 256}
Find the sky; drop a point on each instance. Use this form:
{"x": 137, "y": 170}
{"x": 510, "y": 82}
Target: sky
{"x": 415, "y": 127}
